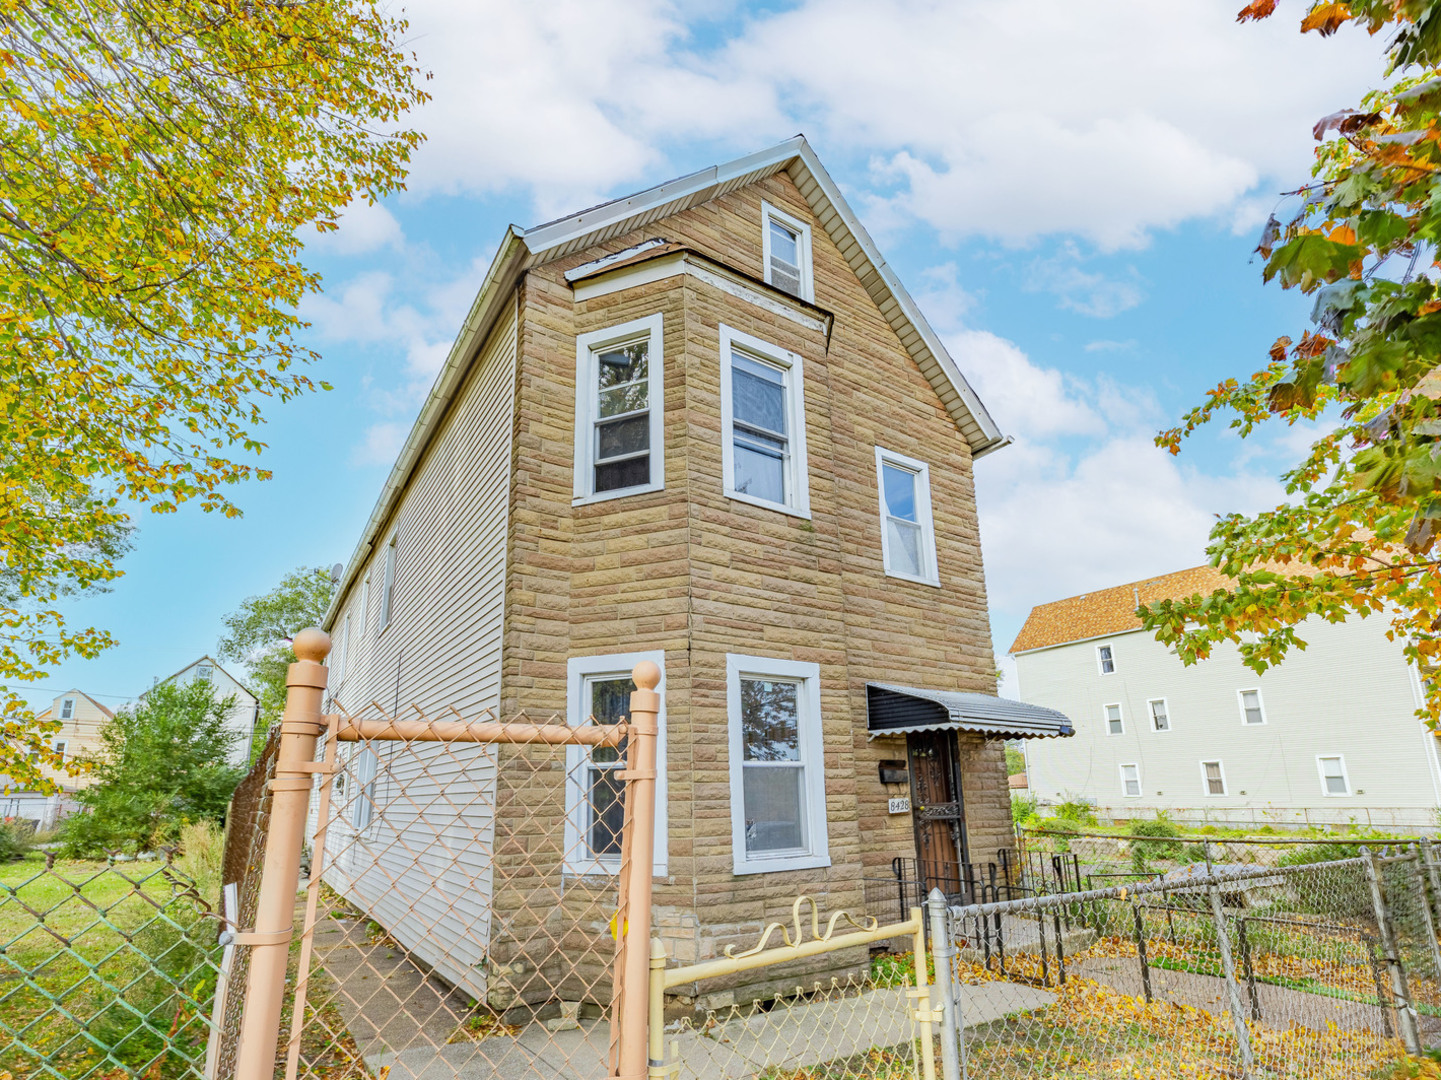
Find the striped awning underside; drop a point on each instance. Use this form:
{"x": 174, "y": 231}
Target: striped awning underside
{"x": 896, "y": 710}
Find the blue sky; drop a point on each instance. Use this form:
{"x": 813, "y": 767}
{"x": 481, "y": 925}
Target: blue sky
{"x": 1072, "y": 193}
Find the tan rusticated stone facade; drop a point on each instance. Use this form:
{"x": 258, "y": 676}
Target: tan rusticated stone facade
{"x": 699, "y": 575}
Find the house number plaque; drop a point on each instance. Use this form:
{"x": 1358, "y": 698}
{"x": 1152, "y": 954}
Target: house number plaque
{"x": 900, "y": 806}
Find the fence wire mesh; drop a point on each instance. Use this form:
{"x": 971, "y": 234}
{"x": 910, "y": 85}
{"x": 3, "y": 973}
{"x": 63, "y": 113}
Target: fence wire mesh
{"x": 1228, "y": 970}
{"x": 105, "y": 970}
{"x": 463, "y": 897}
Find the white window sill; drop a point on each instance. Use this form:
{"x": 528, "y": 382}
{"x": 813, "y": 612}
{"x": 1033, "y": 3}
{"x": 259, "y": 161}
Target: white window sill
{"x": 619, "y": 493}
{"x": 935, "y": 583}
{"x": 780, "y": 864}
{"x": 766, "y": 504}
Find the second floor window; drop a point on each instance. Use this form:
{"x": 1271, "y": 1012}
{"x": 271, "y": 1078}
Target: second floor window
{"x": 618, "y": 410}
{"x": 387, "y": 584}
{"x": 1251, "y": 710}
{"x": 1114, "y": 724}
{"x": 763, "y": 446}
{"x": 1106, "y": 659}
{"x": 908, "y": 541}
{"x": 1160, "y": 720}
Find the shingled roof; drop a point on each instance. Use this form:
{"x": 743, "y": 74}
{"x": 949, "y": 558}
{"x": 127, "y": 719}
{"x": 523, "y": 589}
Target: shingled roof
{"x": 1110, "y": 611}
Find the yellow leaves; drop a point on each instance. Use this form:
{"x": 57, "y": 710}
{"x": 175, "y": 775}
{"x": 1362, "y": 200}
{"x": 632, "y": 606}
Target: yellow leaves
{"x": 1326, "y": 18}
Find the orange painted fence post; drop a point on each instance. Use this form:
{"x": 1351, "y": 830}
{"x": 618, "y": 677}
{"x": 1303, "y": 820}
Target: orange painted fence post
{"x": 631, "y": 997}
{"x": 269, "y": 940}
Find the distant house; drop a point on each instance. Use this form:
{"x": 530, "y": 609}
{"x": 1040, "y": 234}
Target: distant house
{"x": 81, "y": 718}
{"x": 1329, "y": 736}
{"x": 243, "y": 714}
{"x": 704, "y": 425}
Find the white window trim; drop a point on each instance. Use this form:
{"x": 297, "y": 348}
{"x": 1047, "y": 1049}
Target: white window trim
{"x": 1105, "y": 645}
{"x": 586, "y": 348}
{"x": 389, "y": 556}
{"x": 1260, "y": 701}
{"x": 1140, "y": 783}
{"x": 72, "y": 703}
{"x": 357, "y": 805}
{"x": 1106, "y": 720}
{"x": 795, "y": 403}
{"x": 1166, "y": 705}
{"x": 926, "y": 520}
{"x": 803, "y": 243}
{"x": 1345, "y": 775}
{"x": 1205, "y": 784}
{"x": 577, "y": 670}
{"x": 812, "y": 748}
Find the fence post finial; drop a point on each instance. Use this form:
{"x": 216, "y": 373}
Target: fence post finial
{"x": 311, "y": 645}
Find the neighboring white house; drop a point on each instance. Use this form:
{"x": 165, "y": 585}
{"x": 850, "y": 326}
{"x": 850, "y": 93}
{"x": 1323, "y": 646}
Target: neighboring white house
{"x": 1330, "y": 736}
{"x": 243, "y": 713}
{"x": 81, "y": 717}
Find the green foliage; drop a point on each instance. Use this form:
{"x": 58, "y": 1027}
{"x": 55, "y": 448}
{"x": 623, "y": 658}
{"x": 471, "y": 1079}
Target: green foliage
{"x": 1015, "y": 759}
{"x": 1358, "y": 533}
{"x": 258, "y": 633}
{"x": 162, "y": 765}
{"x": 1075, "y": 811}
{"x": 16, "y": 839}
{"x": 1153, "y": 840}
{"x": 1023, "y": 807}
{"x": 164, "y": 163}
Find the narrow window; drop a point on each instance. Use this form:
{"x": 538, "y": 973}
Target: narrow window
{"x": 908, "y": 541}
{"x": 599, "y": 689}
{"x": 787, "y": 252}
{"x": 387, "y": 588}
{"x": 61, "y": 746}
{"x": 619, "y": 431}
{"x": 1131, "y": 781}
{"x": 1333, "y": 776}
{"x": 1251, "y": 711}
{"x": 364, "y": 605}
{"x": 1114, "y": 724}
{"x": 777, "y": 775}
{"x": 1213, "y": 778}
{"x": 1159, "y": 720}
{"x": 1106, "y": 659}
{"x": 67, "y": 709}
{"x": 364, "y": 769}
{"x": 763, "y": 424}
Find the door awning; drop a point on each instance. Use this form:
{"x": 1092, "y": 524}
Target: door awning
{"x": 895, "y": 710}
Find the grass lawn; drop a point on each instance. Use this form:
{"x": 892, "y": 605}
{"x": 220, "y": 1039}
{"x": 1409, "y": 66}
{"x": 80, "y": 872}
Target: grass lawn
{"x": 104, "y": 971}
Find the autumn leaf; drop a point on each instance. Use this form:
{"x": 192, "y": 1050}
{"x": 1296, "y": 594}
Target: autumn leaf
{"x": 1257, "y": 9}
{"x": 1326, "y": 19}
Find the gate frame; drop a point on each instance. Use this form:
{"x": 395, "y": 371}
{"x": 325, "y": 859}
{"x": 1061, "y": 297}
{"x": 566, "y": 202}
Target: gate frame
{"x": 295, "y": 770}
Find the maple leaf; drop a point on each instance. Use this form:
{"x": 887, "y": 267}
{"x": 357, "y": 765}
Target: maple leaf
{"x": 1257, "y": 9}
{"x": 1326, "y": 19}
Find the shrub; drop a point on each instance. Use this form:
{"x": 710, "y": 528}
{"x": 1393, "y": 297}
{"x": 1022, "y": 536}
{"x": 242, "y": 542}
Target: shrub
{"x": 17, "y": 837}
{"x": 1077, "y": 811}
{"x": 1023, "y": 807}
{"x": 1156, "y": 839}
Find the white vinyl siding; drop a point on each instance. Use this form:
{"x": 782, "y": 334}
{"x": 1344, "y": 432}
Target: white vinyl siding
{"x": 777, "y": 771}
{"x": 786, "y": 243}
{"x": 1213, "y": 778}
{"x": 908, "y": 535}
{"x": 763, "y": 424}
{"x": 619, "y": 410}
{"x": 1131, "y": 781}
{"x": 600, "y": 687}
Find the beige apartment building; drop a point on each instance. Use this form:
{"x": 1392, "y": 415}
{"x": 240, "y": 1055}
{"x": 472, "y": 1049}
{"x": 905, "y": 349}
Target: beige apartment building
{"x": 81, "y": 717}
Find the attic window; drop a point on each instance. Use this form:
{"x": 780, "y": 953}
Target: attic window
{"x": 67, "y": 709}
{"x": 205, "y": 672}
{"x": 787, "y": 244}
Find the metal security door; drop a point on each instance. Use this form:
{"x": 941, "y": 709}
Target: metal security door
{"x": 937, "y": 810}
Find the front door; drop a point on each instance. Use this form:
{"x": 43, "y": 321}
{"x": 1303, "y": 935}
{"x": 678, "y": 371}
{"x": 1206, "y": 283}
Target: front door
{"x": 937, "y": 810}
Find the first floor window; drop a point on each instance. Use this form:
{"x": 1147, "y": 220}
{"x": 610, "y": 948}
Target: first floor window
{"x": 1251, "y": 711}
{"x": 1114, "y": 724}
{"x": 908, "y": 538}
{"x": 618, "y": 410}
{"x": 778, "y": 815}
{"x": 1333, "y": 776}
{"x": 763, "y": 446}
{"x": 1213, "y": 777}
{"x": 1160, "y": 721}
{"x": 1131, "y": 781}
{"x": 599, "y": 693}
{"x": 61, "y": 745}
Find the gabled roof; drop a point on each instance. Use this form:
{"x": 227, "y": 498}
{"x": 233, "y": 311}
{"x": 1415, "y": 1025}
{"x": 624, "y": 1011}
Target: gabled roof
{"x": 208, "y": 659}
{"x": 109, "y": 713}
{"x": 1111, "y": 611}
{"x": 521, "y": 249}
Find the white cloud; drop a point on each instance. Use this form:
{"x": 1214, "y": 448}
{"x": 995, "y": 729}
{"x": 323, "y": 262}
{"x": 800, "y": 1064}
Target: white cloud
{"x": 362, "y": 228}
{"x": 1082, "y": 291}
{"x": 381, "y": 444}
{"x": 1024, "y": 399}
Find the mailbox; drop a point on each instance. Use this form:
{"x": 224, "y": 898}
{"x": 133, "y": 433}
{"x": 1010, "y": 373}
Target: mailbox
{"x": 895, "y": 772}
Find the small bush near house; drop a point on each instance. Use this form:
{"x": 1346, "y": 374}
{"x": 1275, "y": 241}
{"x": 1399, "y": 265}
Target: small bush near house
{"x": 1023, "y": 807}
{"x": 1156, "y": 839}
{"x": 1076, "y": 811}
{"x": 17, "y": 837}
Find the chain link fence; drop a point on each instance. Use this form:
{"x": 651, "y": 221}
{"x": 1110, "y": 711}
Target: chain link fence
{"x": 106, "y": 970}
{"x": 1321, "y": 968}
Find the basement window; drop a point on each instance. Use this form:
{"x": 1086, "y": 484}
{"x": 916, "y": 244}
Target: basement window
{"x": 619, "y": 395}
{"x": 1334, "y": 780}
{"x": 787, "y": 251}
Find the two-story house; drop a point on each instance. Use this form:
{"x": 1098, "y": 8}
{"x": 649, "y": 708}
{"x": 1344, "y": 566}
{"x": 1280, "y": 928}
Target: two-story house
{"x": 81, "y": 717}
{"x": 703, "y": 425}
{"x": 1330, "y": 736}
{"x": 244, "y": 709}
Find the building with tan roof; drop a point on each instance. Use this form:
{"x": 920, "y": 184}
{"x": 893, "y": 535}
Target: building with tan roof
{"x": 1331, "y": 736}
